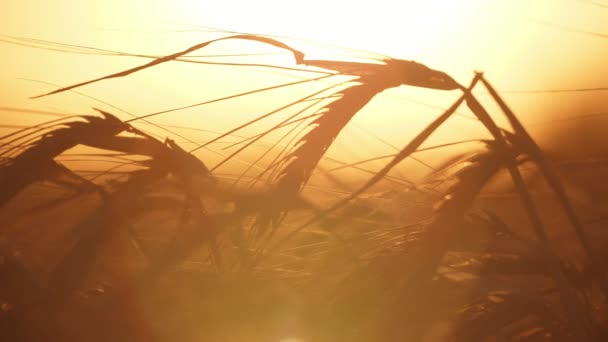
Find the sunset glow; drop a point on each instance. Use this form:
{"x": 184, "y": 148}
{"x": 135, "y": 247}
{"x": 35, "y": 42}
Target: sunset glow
{"x": 291, "y": 171}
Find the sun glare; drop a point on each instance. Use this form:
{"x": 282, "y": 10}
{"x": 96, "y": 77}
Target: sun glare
{"x": 386, "y": 26}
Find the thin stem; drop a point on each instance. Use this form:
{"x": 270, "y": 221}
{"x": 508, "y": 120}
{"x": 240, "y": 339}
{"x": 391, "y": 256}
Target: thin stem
{"x": 572, "y": 307}
{"x": 551, "y": 177}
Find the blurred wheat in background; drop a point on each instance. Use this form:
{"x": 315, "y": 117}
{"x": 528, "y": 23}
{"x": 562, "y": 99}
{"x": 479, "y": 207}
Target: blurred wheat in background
{"x": 252, "y": 197}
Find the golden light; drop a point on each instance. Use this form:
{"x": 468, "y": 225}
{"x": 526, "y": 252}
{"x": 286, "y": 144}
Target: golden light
{"x": 507, "y": 41}
{"x": 385, "y": 26}
{"x": 545, "y": 57}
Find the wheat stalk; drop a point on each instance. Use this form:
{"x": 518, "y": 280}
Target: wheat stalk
{"x": 573, "y": 307}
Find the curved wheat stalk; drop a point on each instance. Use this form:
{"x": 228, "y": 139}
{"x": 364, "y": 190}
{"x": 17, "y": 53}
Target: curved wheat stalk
{"x": 297, "y": 55}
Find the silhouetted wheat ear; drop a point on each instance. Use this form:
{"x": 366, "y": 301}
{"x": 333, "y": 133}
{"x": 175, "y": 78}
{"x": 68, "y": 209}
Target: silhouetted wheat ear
{"x": 313, "y": 145}
{"x": 374, "y": 79}
{"x": 36, "y": 162}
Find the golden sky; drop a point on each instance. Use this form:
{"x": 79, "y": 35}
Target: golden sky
{"x": 520, "y": 45}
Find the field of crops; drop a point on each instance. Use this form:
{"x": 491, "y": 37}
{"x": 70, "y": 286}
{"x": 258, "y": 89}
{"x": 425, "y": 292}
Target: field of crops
{"x": 297, "y": 223}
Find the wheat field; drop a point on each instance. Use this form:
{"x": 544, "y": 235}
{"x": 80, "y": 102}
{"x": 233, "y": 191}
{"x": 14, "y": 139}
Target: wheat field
{"x": 116, "y": 227}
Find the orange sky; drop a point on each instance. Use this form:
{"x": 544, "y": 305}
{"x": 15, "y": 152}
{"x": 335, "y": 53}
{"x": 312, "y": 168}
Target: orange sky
{"x": 520, "y": 45}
